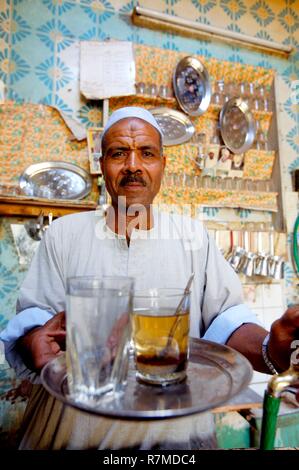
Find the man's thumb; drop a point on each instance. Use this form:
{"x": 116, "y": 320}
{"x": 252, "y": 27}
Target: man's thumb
{"x": 57, "y": 322}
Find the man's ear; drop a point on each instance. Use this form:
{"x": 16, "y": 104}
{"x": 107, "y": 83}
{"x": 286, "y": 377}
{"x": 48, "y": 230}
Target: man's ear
{"x": 102, "y": 164}
{"x": 164, "y": 162}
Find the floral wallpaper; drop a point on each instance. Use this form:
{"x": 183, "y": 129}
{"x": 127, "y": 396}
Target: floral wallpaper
{"x": 39, "y": 64}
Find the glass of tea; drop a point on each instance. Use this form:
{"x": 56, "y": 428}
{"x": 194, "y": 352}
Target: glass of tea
{"x": 160, "y": 334}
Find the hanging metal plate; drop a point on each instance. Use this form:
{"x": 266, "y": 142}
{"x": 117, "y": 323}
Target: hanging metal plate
{"x": 192, "y": 87}
{"x": 55, "y": 180}
{"x": 237, "y": 125}
{"x": 176, "y": 126}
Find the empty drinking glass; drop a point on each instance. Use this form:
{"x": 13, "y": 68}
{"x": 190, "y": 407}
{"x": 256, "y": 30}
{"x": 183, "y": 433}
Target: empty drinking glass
{"x": 97, "y": 324}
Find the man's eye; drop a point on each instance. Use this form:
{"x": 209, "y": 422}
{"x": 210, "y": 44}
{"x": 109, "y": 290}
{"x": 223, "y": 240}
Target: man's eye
{"x": 118, "y": 154}
{"x": 147, "y": 154}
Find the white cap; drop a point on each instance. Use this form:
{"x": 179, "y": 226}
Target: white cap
{"x": 135, "y": 112}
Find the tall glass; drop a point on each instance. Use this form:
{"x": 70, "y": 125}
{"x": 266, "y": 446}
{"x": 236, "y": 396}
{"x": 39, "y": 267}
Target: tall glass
{"x": 160, "y": 333}
{"x": 97, "y": 323}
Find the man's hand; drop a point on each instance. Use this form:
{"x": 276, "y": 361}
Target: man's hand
{"x": 44, "y": 343}
{"x": 284, "y": 332}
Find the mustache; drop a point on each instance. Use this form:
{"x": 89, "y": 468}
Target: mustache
{"x": 132, "y": 179}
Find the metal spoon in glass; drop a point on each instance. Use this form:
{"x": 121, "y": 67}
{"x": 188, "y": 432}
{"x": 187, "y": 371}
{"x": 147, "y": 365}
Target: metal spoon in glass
{"x": 165, "y": 351}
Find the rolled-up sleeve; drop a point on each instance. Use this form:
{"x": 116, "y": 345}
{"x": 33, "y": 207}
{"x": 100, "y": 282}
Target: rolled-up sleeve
{"x": 228, "y": 321}
{"x": 41, "y": 296}
{"x": 18, "y": 326}
{"x": 223, "y": 308}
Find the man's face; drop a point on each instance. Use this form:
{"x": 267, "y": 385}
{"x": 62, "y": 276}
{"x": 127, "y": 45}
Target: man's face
{"x": 132, "y": 163}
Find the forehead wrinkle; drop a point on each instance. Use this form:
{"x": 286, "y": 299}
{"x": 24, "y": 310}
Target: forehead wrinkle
{"x": 132, "y": 127}
{"x": 130, "y": 131}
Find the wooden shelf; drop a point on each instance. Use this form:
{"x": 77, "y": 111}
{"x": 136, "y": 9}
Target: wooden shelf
{"x": 23, "y": 206}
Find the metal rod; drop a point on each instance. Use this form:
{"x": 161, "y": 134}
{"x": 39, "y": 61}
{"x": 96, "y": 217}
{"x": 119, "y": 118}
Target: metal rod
{"x": 156, "y": 18}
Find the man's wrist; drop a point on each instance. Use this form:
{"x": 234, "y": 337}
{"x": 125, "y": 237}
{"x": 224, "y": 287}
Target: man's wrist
{"x": 265, "y": 354}
{"x": 24, "y": 347}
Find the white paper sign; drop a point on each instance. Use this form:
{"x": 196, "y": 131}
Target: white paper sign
{"x": 106, "y": 69}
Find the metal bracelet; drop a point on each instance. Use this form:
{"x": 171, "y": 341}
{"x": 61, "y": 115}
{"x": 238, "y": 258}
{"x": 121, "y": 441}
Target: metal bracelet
{"x": 266, "y": 357}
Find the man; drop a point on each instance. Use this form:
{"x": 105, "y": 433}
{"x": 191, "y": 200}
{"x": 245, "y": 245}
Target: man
{"x": 157, "y": 249}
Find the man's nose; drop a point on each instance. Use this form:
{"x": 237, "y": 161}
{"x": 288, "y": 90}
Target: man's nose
{"x": 133, "y": 162}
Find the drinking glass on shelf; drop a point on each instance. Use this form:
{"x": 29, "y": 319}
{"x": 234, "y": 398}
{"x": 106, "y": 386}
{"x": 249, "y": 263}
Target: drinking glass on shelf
{"x": 234, "y": 183}
{"x": 269, "y": 186}
{"x": 206, "y": 182}
{"x": 227, "y": 184}
{"x": 152, "y": 89}
{"x": 163, "y": 91}
{"x": 267, "y": 104}
{"x": 261, "y": 92}
{"x": 201, "y": 138}
{"x": 218, "y": 181}
{"x": 218, "y": 95}
{"x": 261, "y": 185}
{"x": 261, "y": 141}
{"x": 219, "y": 86}
{"x": 216, "y": 99}
{"x": 256, "y": 104}
{"x": 230, "y": 89}
{"x": 246, "y": 184}
{"x": 242, "y": 89}
{"x": 169, "y": 92}
{"x": 251, "y": 89}
{"x": 140, "y": 88}
{"x": 216, "y": 136}
{"x": 253, "y": 186}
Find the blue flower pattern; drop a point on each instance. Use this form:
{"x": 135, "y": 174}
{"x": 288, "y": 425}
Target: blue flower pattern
{"x": 294, "y": 165}
{"x": 210, "y": 211}
{"x": 291, "y": 109}
{"x": 18, "y": 67}
{"x": 90, "y": 114}
{"x": 58, "y": 103}
{"x": 234, "y": 9}
{"x": 262, "y": 13}
{"x": 19, "y": 27}
{"x": 58, "y": 6}
{"x": 291, "y": 139}
{"x": 289, "y": 20}
{"x": 204, "y": 6}
{"x": 50, "y": 72}
{"x": 8, "y": 282}
{"x": 55, "y": 31}
{"x": 100, "y": 10}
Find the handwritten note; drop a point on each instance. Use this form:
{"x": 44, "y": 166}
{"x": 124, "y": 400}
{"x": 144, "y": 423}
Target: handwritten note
{"x": 106, "y": 69}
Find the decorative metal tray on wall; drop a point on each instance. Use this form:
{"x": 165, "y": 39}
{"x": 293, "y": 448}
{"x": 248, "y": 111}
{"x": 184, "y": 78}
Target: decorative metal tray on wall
{"x": 215, "y": 374}
{"x": 55, "y": 180}
{"x": 192, "y": 87}
{"x": 176, "y": 126}
{"x": 237, "y": 125}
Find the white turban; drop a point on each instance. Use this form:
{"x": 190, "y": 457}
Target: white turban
{"x": 134, "y": 112}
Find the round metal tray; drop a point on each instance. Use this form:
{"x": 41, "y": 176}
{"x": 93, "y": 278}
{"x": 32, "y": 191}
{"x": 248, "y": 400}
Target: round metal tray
{"x": 237, "y": 125}
{"x": 215, "y": 374}
{"x": 191, "y": 84}
{"x": 176, "y": 126}
{"x": 55, "y": 180}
